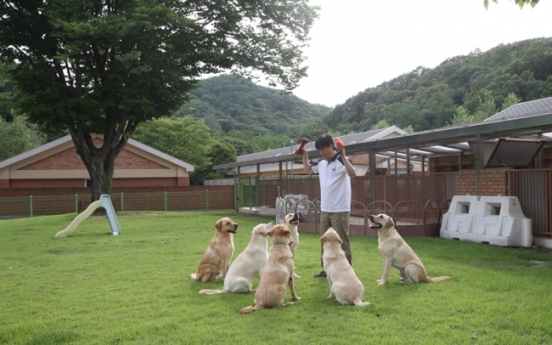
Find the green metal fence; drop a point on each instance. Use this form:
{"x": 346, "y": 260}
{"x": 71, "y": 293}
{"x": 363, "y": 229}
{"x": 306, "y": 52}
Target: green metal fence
{"x": 247, "y": 192}
{"x": 30, "y": 206}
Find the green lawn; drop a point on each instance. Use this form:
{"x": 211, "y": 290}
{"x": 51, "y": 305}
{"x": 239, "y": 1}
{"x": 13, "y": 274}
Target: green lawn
{"x": 95, "y": 288}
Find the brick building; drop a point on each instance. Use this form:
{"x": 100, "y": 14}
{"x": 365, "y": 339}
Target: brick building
{"x": 56, "y": 169}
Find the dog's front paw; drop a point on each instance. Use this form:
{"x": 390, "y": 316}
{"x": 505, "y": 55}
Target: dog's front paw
{"x": 296, "y": 298}
{"x": 381, "y": 282}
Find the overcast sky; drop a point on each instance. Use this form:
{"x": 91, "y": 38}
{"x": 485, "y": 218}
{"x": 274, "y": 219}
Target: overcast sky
{"x": 357, "y": 44}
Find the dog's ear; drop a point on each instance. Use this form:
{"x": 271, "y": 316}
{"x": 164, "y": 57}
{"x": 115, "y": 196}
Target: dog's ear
{"x": 286, "y": 232}
{"x": 266, "y": 228}
{"x": 390, "y": 222}
{"x": 272, "y": 230}
{"x": 218, "y": 224}
{"x": 336, "y": 236}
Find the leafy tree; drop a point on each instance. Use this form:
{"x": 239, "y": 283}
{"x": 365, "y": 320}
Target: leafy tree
{"x": 408, "y": 129}
{"x": 380, "y": 125}
{"x": 383, "y": 124}
{"x": 241, "y": 145}
{"x": 219, "y": 153}
{"x": 487, "y": 105}
{"x": 17, "y": 137}
{"x": 107, "y": 66}
{"x": 6, "y": 94}
{"x": 312, "y": 130}
{"x": 462, "y": 116}
{"x": 186, "y": 138}
{"x": 485, "y": 108}
{"x": 520, "y": 3}
{"x": 547, "y": 89}
{"x": 401, "y": 114}
{"x": 269, "y": 142}
{"x": 509, "y": 101}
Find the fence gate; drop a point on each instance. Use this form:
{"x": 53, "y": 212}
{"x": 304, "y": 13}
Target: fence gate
{"x": 247, "y": 192}
{"x": 532, "y": 188}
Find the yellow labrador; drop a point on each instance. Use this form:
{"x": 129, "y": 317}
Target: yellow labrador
{"x": 291, "y": 221}
{"x": 248, "y": 265}
{"x": 216, "y": 258}
{"x": 344, "y": 284}
{"x": 397, "y": 253}
{"x": 276, "y": 274}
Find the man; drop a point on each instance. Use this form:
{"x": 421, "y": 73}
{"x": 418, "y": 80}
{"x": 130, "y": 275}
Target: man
{"x": 335, "y": 171}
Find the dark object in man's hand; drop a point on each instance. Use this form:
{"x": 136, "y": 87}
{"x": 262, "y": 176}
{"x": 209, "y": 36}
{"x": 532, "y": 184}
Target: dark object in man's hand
{"x": 299, "y": 150}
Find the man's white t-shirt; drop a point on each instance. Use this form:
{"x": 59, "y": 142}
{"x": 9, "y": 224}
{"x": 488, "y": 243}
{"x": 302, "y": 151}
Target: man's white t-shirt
{"x": 335, "y": 185}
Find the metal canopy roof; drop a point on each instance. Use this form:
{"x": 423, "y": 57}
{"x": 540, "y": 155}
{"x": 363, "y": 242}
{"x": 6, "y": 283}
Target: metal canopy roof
{"x": 443, "y": 141}
{"x": 513, "y": 152}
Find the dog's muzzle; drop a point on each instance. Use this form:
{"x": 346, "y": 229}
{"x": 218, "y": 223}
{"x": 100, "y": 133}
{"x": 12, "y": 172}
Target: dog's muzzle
{"x": 235, "y": 230}
{"x": 374, "y": 224}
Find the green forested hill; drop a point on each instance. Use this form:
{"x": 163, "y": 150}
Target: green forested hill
{"x": 476, "y": 84}
{"x": 227, "y": 103}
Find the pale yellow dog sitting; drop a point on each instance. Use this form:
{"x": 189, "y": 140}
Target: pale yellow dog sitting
{"x": 277, "y": 273}
{"x": 397, "y": 253}
{"x": 248, "y": 265}
{"x": 344, "y": 284}
{"x": 216, "y": 258}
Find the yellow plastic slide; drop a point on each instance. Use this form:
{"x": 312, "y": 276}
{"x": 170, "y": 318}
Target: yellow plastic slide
{"x": 78, "y": 219}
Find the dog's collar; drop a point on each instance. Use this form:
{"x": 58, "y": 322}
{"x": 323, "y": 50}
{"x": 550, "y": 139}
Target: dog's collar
{"x": 280, "y": 243}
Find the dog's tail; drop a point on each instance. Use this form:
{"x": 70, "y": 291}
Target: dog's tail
{"x": 209, "y": 292}
{"x": 358, "y": 302}
{"x": 250, "y": 308}
{"x": 440, "y": 279}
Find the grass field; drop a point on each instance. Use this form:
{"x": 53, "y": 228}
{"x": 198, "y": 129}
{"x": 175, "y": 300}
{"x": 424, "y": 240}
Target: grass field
{"x": 95, "y": 288}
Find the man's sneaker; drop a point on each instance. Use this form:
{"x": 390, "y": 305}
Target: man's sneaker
{"x": 320, "y": 275}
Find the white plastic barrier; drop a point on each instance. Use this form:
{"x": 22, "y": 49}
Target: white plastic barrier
{"x": 496, "y": 220}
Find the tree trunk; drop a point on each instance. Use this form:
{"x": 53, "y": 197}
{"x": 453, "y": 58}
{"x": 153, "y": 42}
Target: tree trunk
{"x": 99, "y": 161}
{"x": 101, "y": 175}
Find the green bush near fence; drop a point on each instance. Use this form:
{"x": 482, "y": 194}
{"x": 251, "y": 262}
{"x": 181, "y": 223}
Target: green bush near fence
{"x": 95, "y": 288}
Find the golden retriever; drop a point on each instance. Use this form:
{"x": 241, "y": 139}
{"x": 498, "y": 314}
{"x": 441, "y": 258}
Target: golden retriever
{"x": 291, "y": 221}
{"x": 276, "y": 274}
{"x": 344, "y": 284}
{"x": 248, "y": 265}
{"x": 397, "y": 253}
{"x": 216, "y": 258}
